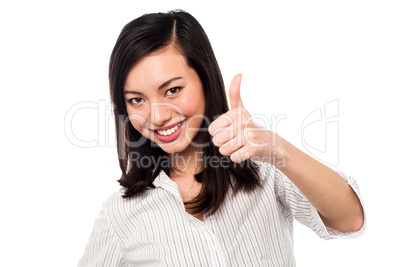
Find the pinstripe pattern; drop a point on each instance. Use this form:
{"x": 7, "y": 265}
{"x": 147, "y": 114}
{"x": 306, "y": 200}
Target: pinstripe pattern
{"x": 249, "y": 229}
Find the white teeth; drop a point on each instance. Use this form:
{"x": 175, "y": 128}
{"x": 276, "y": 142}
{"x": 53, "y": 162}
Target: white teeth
{"x": 169, "y": 131}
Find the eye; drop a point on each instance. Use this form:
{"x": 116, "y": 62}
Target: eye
{"x": 135, "y": 100}
{"x": 173, "y": 90}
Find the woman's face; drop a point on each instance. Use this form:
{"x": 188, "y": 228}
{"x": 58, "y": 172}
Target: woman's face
{"x": 165, "y": 100}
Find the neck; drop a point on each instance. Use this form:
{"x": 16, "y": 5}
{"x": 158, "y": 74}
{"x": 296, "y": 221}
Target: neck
{"x": 189, "y": 162}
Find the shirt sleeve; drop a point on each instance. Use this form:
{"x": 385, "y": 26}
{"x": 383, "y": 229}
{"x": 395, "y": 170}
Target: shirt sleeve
{"x": 304, "y": 212}
{"x": 103, "y": 247}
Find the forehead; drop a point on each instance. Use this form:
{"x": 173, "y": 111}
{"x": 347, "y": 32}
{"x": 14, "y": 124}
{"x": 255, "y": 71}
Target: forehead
{"x": 156, "y": 68}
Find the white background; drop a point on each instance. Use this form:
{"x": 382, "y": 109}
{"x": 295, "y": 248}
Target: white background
{"x": 296, "y": 56}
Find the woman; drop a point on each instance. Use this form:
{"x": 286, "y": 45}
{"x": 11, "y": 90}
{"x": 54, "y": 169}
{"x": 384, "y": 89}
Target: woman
{"x": 203, "y": 185}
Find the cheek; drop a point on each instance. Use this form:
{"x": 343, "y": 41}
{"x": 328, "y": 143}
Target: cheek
{"x": 192, "y": 105}
{"x": 138, "y": 121}
{"x": 189, "y": 109}
{"x": 194, "y": 109}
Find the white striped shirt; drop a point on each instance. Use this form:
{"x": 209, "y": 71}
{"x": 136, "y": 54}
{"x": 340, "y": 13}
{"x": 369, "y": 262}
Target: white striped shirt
{"x": 249, "y": 229}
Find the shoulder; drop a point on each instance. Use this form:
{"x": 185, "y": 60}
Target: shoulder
{"x": 120, "y": 210}
{"x": 114, "y": 198}
{"x": 115, "y": 205}
{"x": 272, "y": 178}
{"x": 266, "y": 171}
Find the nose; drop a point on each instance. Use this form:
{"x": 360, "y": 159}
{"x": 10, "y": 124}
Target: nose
{"x": 161, "y": 114}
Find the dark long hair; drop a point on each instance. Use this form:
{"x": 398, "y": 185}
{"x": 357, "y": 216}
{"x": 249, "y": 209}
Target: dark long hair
{"x": 142, "y": 36}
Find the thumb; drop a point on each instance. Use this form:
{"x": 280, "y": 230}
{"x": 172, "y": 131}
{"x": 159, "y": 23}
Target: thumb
{"x": 234, "y": 92}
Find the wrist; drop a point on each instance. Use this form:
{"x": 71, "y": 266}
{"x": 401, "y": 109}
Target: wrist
{"x": 276, "y": 151}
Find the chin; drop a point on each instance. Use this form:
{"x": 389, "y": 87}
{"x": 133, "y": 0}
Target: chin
{"x": 177, "y": 148}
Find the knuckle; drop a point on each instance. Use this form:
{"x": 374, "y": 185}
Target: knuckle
{"x": 214, "y": 141}
{"x": 253, "y": 137}
{"x": 222, "y": 151}
{"x": 233, "y": 157}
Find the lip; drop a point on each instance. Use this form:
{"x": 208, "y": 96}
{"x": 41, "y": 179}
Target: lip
{"x": 173, "y": 136}
{"x": 167, "y": 127}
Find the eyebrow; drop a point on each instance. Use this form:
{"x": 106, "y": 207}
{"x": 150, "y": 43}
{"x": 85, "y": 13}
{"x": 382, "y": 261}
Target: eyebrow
{"x": 163, "y": 85}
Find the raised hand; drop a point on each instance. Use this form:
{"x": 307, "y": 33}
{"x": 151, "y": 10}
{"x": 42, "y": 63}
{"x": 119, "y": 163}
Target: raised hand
{"x": 236, "y": 134}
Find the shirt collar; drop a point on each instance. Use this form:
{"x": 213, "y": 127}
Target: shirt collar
{"x": 164, "y": 181}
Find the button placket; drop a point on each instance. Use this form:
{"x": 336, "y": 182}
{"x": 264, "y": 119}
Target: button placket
{"x": 217, "y": 255}
{"x": 218, "y": 259}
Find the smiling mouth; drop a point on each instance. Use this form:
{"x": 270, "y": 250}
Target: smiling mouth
{"x": 170, "y": 130}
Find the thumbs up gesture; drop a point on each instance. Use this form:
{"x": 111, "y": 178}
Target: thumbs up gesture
{"x": 236, "y": 134}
